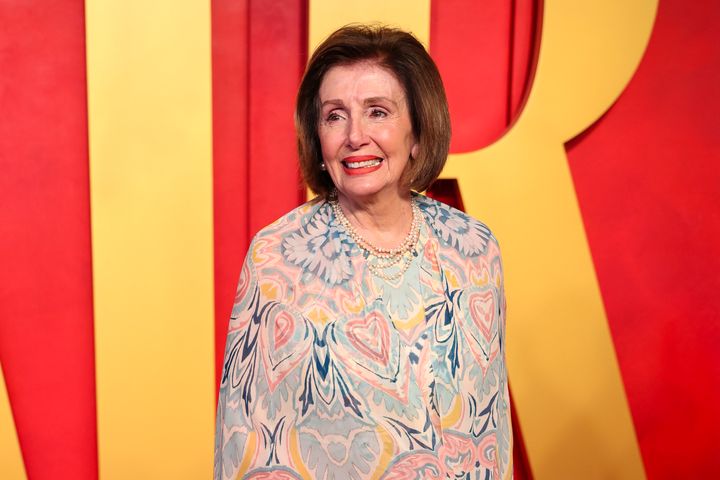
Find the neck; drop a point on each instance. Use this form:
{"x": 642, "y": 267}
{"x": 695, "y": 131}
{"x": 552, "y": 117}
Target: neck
{"x": 384, "y": 223}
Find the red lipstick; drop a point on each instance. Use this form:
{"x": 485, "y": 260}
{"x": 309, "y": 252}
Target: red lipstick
{"x": 361, "y": 164}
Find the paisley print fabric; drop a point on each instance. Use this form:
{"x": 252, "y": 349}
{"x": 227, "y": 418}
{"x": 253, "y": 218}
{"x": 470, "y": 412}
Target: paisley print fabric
{"x": 331, "y": 373}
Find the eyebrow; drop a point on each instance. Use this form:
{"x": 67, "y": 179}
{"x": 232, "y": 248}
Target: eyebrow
{"x": 334, "y": 101}
{"x": 371, "y": 100}
{"x": 367, "y": 101}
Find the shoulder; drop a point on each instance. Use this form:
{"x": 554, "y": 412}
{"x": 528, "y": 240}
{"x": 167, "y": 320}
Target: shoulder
{"x": 306, "y": 244}
{"x": 457, "y": 230}
{"x": 292, "y": 221}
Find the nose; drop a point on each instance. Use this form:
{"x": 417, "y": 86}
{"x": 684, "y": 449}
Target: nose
{"x": 357, "y": 136}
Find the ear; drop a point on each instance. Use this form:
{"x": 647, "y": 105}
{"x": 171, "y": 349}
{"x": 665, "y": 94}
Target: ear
{"x": 414, "y": 150}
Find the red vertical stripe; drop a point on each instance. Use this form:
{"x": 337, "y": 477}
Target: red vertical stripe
{"x": 259, "y": 53}
{"x": 484, "y": 51}
{"x": 46, "y": 331}
{"x": 648, "y": 182}
{"x": 525, "y": 38}
{"x": 469, "y": 42}
{"x": 230, "y": 153}
{"x": 278, "y": 40}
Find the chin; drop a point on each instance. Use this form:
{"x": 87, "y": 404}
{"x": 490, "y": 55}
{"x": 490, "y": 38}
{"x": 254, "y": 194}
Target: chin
{"x": 362, "y": 192}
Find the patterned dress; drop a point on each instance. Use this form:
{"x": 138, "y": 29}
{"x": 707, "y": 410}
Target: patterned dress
{"x": 333, "y": 373}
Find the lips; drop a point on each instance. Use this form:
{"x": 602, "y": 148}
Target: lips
{"x": 361, "y": 164}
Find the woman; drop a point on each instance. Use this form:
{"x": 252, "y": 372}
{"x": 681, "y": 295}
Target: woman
{"x": 367, "y": 337}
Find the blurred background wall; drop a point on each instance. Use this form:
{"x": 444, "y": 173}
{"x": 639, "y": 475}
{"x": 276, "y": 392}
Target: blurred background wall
{"x": 142, "y": 144}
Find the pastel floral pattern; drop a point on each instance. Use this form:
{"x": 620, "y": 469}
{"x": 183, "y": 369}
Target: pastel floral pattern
{"x": 457, "y": 229}
{"x": 331, "y": 373}
{"x": 339, "y": 449}
{"x": 320, "y": 250}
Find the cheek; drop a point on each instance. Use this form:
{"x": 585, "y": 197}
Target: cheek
{"x": 328, "y": 144}
{"x": 397, "y": 137}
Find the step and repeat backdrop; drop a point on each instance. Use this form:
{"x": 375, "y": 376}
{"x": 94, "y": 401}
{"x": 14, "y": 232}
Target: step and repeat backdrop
{"x": 142, "y": 144}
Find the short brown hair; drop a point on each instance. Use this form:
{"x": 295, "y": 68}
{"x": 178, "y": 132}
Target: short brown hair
{"x": 404, "y": 56}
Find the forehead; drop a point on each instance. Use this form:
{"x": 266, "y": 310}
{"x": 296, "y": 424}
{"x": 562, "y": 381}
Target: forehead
{"x": 362, "y": 80}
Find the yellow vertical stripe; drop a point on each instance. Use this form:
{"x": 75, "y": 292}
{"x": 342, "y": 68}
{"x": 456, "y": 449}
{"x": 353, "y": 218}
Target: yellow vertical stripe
{"x": 149, "y": 101}
{"x": 327, "y": 16}
{"x": 11, "y": 465}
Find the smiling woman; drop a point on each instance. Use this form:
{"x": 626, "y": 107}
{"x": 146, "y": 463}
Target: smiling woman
{"x": 368, "y": 332}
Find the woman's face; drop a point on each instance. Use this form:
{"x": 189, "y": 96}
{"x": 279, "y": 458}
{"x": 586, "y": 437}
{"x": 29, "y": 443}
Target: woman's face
{"x": 365, "y": 131}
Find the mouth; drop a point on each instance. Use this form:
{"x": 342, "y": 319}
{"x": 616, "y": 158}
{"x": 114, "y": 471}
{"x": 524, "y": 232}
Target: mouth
{"x": 361, "y": 164}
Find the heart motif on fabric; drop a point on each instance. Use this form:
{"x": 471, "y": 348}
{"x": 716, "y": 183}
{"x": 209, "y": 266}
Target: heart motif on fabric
{"x": 482, "y": 312}
{"x": 284, "y": 344}
{"x": 370, "y": 335}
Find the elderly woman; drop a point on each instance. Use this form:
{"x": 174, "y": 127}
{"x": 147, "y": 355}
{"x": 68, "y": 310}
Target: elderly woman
{"x": 367, "y": 337}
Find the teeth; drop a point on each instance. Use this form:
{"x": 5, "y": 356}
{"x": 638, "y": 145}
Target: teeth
{"x": 363, "y": 164}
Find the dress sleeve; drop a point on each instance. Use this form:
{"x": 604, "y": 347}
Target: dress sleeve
{"x": 233, "y": 429}
{"x": 504, "y": 422}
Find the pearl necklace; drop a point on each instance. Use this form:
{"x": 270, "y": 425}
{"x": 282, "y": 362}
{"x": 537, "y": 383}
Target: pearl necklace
{"x": 385, "y": 258}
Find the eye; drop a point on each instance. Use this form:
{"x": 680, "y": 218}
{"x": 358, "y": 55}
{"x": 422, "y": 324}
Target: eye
{"x": 378, "y": 113}
{"x": 333, "y": 116}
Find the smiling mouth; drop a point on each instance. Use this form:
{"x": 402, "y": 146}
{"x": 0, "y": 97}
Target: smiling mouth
{"x": 361, "y": 162}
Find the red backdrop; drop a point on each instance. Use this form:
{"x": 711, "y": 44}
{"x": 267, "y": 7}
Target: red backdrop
{"x": 46, "y": 316}
{"x": 648, "y": 181}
